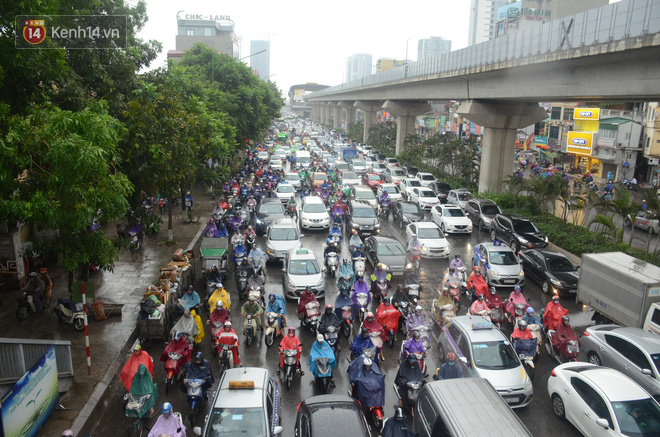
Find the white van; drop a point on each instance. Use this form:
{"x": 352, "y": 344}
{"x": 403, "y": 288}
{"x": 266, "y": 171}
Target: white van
{"x": 303, "y": 158}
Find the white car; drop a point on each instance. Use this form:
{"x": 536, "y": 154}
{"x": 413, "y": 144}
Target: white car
{"x": 434, "y": 242}
{"x": 392, "y": 191}
{"x": 275, "y": 163}
{"x": 407, "y": 184}
{"x": 301, "y": 270}
{"x": 600, "y": 401}
{"x": 424, "y": 197}
{"x": 359, "y": 166}
{"x": 377, "y": 167}
{"x": 263, "y": 156}
{"x": 313, "y": 214}
{"x": 395, "y": 174}
{"x": 459, "y": 197}
{"x": 426, "y": 178}
{"x": 285, "y": 191}
{"x": 282, "y": 236}
{"x": 294, "y": 180}
{"x": 451, "y": 219}
{"x": 349, "y": 178}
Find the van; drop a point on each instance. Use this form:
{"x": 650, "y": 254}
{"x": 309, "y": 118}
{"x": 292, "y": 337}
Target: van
{"x": 303, "y": 158}
{"x": 442, "y": 408}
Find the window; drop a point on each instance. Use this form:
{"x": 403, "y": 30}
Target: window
{"x": 536, "y": 258}
{"x": 464, "y": 347}
{"x": 618, "y": 344}
{"x": 638, "y": 358}
{"x": 304, "y": 426}
{"x": 208, "y": 31}
{"x": 554, "y": 132}
{"x": 454, "y": 333}
{"x": 592, "y": 399}
{"x": 555, "y": 113}
{"x": 655, "y": 318}
{"x": 568, "y": 114}
{"x": 190, "y": 32}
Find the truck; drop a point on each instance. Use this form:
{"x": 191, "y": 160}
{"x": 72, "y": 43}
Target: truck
{"x": 213, "y": 251}
{"x": 348, "y": 153}
{"x": 621, "y": 289}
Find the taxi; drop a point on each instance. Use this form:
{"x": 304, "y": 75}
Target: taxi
{"x": 498, "y": 264}
{"x": 485, "y": 352}
{"x": 247, "y": 402}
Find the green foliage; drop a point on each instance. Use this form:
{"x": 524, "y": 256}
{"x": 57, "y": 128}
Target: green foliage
{"x": 382, "y": 136}
{"x": 356, "y": 131}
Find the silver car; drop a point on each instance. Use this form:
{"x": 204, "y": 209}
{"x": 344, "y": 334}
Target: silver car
{"x": 632, "y": 351}
{"x": 489, "y": 355}
{"x": 302, "y": 270}
{"x": 282, "y": 236}
{"x": 359, "y": 166}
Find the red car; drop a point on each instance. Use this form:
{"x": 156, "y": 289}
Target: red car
{"x": 372, "y": 180}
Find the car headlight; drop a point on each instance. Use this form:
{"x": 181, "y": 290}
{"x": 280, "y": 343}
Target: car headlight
{"x": 448, "y": 249}
{"x": 545, "y": 239}
{"x": 521, "y": 274}
{"x": 259, "y": 221}
{"x": 409, "y": 266}
{"x": 425, "y": 249}
{"x": 522, "y": 240}
{"x": 269, "y": 250}
{"x": 405, "y": 219}
{"x": 555, "y": 282}
{"x": 290, "y": 284}
{"x": 494, "y": 273}
{"x": 528, "y": 383}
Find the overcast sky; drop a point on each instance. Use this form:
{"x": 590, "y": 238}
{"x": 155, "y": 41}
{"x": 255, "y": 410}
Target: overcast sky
{"x": 310, "y": 40}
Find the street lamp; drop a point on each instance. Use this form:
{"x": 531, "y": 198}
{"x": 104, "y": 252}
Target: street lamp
{"x": 407, "y": 41}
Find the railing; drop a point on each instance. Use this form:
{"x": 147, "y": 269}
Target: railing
{"x": 617, "y": 21}
{"x": 18, "y": 355}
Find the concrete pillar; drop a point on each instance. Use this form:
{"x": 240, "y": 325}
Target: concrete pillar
{"x": 336, "y": 111}
{"x": 370, "y": 109}
{"x": 350, "y": 112}
{"x": 326, "y": 114}
{"x": 501, "y": 121}
{"x": 406, "y": 115}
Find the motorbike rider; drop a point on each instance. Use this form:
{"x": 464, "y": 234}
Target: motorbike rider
{"x": 530, "y": 318}
{"x": 362, "y": 342}
{"x": 477, "y": 283}
{"x": 251, "y": 307}
{"x": 290, "y": 342}
{"x": 335, "y": 230}
{"x": 445, "y": 299}
{"x": 330, "y": 247}
{"x": 180, "y": 346}
{"x": 388, "y": 316}
{"x": 137, "y": 358}
{"x": 372, "y": 326}
{"x": 189, "y": 201}
{"x": 357, "y": 254}
{"x": 143, "y": 385}
{"x": 220, "y": 295}
{"x": 516, "y": 297}
{"x": 417, "y": 319}
{"x": 291, "y": 204}
{"x": 457, "y": 262}
{"x": 48, "y": 284}
{"x": 35, "y": 288}
{"x": 321, "y": 349}
{"x": 448, "y": 370}
{"x": 189, "y": 300}
{"x": 397, "y": 426}
{"x": 355, "y": 241}
{"x": 380, "y": 274}
{"x": 360, "y": 286}
{"x": 400, "y": 295}
{"x": 237, "y": 239}
{"x": 479, "y": 306}
{"x": 168, "y": 424}
{"x": 214, "y": 275}
{"x": 306, "y": 297}
{"x": 409, "y": 371}
{"x": 249, "y": 232}
{"x": 219, "y": 315}
{"x": 329, "y": 318}
{"x": 553, "y": 313}
{"x": 344, "y": 300}
{"x": 521, "y": 332}
{"x": 414, "y": 345}
{"x": 199, "y": 368}
{"x": 451, "y": 277}
{"x": 414, "y": 246}
{"x": 277, "y": 305}
{"x": 229, "y": 337}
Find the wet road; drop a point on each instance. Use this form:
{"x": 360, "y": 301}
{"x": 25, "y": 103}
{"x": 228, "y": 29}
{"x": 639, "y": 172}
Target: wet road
{"x": 537, "y": 416}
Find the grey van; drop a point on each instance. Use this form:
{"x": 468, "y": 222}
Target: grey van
{"x": 443, "y": 406}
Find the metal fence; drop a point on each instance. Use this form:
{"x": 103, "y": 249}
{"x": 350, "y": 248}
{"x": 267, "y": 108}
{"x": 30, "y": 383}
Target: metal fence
{"x": 617, "y": 21}
{"x": 17, "y": 356}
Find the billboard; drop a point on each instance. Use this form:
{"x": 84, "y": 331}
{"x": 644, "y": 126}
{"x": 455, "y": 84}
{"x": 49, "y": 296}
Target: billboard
{"x": 580, "y": 143}
{"x": 30, "y": 401}
{"x": 586, "y": 114}
{"x": 299, "y": 94}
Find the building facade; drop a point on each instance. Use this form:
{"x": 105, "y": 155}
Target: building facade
{"x": 358, "y": 66}
{"x": 260, "y": 58}
{"x": 430, "y": 47}
{"x": 651, "y": 143}
{"x": 482, "y": 20}
{"x": 216, "y": 31}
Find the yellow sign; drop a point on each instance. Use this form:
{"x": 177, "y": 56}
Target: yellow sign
{"x": 237, "y": 385}
{"x": 580, "y": 143}
{"x": 299, "y": 94}
{"x": 586, "y": 114}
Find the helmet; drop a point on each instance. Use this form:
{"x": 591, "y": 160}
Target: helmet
{"x": 516, "y": 288}
{"x": 219, "y": 304}
{"x": 530, "y": 310}
{"x": 308, "y": 288}
{"x": 364, "y": 331}
{"x": 291, "y": 330}
{"x": 451, "y": 270}
{"x": 320, "y": 338}
{"x": 43, "y": 270}
{"x": 252, "y": 298}
{"x": 367, "y": 362}
{"x": 271, "y": 297}
{"x": 166, "y": 408}
{"x": 566, "y": 319}
{"x": 399, "y": 287}
{"x": 418, "y": 308}
{"x": 493, "y": 290}
{"x": 386, "y": 301}
{"x": 481, "y": 296}
{"x": 416, "y": 335}
{"x": 33, "y": 274}
{"x": 412, "y": 358}
{"x": 177, "y": 335}
{"x": 137, "y": 347}
{"x": 457, "y": 256}
{"x": 445, "y": 290}
{"x": 475, "y": 269}
{"x": 199, "y": 356}
{"x": 398, "y": 414}
{"x": 522, "y": 325}
{"x": 379, "y": 265}
{"x": 555, "y": 298}
{"x": 67, "y": 433}
{"x": 369, "y": 315}
{"x": 451, "y": 356}
{"x": 227, "y": 324}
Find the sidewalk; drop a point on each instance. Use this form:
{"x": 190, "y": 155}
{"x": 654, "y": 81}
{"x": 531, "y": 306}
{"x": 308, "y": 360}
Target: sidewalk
{"x": 109, "y": 339}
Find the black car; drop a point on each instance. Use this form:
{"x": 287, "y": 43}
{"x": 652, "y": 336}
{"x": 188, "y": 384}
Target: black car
{"x": 482, "y": 212}
{"x": 361, "y": 217}
{"x": 518, "y": 232}
{"x": 412, "y": 171}
{"x": 406, "y": 213}
{"x": 441, "y": 189}
{"x": 326, "y": 415}
{"x": 553, "y": 270}
{"x": 269, "y": 210}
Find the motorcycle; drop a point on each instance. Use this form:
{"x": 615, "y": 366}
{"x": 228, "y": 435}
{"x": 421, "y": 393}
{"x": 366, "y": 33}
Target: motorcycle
{"x": 526, "y": 350}
{"x": 332, "y": 262}
{"x": 226, "y": 357}
{"x": 66, "y": 311}
{"x": 382, "y": 285}
{"x": 250, "y": 241}
{"x": 323, "y": 373}
{"x": 135, "y": 240}
{"x": 332, "y": 337}
{"x": 162, "y": 205}
{"x": 569, "y": 352}
{"x": 463, "y": 275}
{"x": 519, "y": 312}
{"x": 134, "y": 406}
{"x": 290, "y": 364}
{"x": 26, "y": 305}
{"x": 272, "y": 329}
{"x": 362, "y": 300}
{"x": 359, "y": 266}
{"x": 414, "y": 387}
{"x": 421, "y": 358}
{"x": 241, "y": 282}
{"x": 172, "y": 368}
{"x": 455, "y": 292}
{"x": 250, "y": 329}
{"x": 404, "y": 308}
{"x": 292, "y": 212}
{"x": 413, "y": 287}
{"x": 414, "y": 258}
{"x": 194, "y": 398}
{"x": 312, "y": 317}
{"x": 347, "y": 320}
{"x": 443, "y": 315}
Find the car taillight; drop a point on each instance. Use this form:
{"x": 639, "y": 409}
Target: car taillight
{"x": 299, "y": 404}
{"x": 585, "y": 334}
{"x": 553, "y": 373}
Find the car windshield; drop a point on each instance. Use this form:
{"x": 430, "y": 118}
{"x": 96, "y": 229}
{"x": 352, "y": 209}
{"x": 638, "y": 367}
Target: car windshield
{"x": 410, "y": 209}
{"x": 349, "y": 175}
{"x": 342, "y": 166}
{"x": 271, "y": 208}
{"x": 638, "y": 418}
{"x": 559, "y": 264}
{"x": 414, "y": 183}
{"x": 391, "y": 189}
{"x": 284, "y": 189}
{"x": 429, "y": 233}
{"x": 524, "y": 227}
{"x": 364, "y": 213}
{"x": 364, "y": 195}
{"x": 292, "y": 177}
{"x": 453, "y": 212}
{"x": 494, "y": 355}
{"x": 398, "y": 173}
{"x": 390, "y": 249}
{"x": 464, "y": 196}
{"x": 428, "y": 177}
{"x": 490, "y": 209}
{"x": 302, "y": 159}
{"x": 236, "y": 422}
{"x": 378, "y": 165}
{"x": 304, "y": 267}
{"x": 503, "y": 258}
{"x": 426, "y": 193}
{"x": 357, "y": 163}
{"x": 314, "y": 207}
{"x": 283, "y": 234}
{"x": 320, "y": 177}
{"x": 373, "y": 177}
{"x": 275, "y": 162}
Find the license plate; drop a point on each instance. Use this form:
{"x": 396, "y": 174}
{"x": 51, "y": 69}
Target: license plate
{"x": 512, "y": 400}
{"x": 509, "y": 281}
{"x": 572, "y": 291}
{"x": 397, "y": 273}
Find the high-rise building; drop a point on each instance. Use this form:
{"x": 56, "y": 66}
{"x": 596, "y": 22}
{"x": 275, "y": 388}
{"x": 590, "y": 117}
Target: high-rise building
{"x": 260, "y": 63}
{"x": 216, "y": 31}
{"x": 482, "y": 19}
{"x": 430, "y": 47}
{"x": 358, "y": 66}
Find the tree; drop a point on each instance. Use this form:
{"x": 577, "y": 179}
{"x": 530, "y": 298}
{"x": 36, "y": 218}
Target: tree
{"x": 622, "y": 205}
{"x": 356, "y": 131}
{"x": 383, "y": 135}
{"x": 58, "y": 170}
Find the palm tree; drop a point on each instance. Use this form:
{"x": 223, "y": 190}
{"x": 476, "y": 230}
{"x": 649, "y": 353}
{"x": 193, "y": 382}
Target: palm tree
{"x": 622, "y": 205}
{"x": 607, "y": 225}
